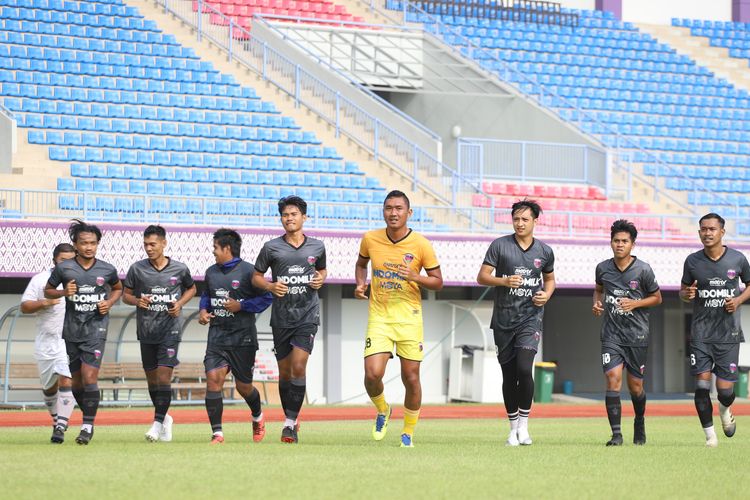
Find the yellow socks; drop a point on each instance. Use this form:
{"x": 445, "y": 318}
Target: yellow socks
{"x": 410, "y": 420}
{"x": 379, "y": 402}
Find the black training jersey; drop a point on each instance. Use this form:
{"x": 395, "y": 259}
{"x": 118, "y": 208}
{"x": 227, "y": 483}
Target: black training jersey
{"x": 636, "y": 282}
{"x": 717, "y": 280}
{"x": 82, "y": 318}
{"x": 514, "y": 309}
{"x": 295, "y": 267}
{"x": 163, "y": 287}
{"x": 230, "y": 329}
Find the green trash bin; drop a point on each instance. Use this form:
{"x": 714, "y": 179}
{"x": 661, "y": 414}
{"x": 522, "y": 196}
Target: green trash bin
{"x": 742, "y": 382}
{"x": 544, "y": 380}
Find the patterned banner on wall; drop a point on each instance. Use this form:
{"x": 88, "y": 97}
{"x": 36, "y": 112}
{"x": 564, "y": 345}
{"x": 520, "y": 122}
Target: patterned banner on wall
{"x": 26, "y": 249}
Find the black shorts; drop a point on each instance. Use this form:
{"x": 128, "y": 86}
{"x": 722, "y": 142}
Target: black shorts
{"x": 634, "y": 358}
{"x": 302, "y": 337}
{"x": 240, "y": 361}
{"x": 156, "y": 355}
{"x": 507, "y": 343}
{"x": 90, "y": 352}
{"x": 720, "y": 359}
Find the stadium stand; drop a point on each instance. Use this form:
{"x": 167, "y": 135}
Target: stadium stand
{"x": 670, "y": 113}
{"x": 134, "y": 112}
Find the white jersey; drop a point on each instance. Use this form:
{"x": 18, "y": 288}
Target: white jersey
{"x": 49, "y": 343}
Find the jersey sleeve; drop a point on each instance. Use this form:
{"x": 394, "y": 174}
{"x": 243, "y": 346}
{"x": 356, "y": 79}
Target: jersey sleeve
{"x": 745, "y": 270}
{"x": 320, "y": 264}
{"x": 187, "y": 278}
{"x": 492, "y": 257}
{"x": 263, "y": 260}
{"x": 429, "y": 260}
{"x": 34, "y": 290}
{"x": 129, "y": 281}
{"x": 113, "y": 277}
{"x": 598, "y": 275}
{"x": 56, "y": 277}
{"x": 549, "y": 266}
{"x": 364, "y": 250}
{"x": 687, "y": 274}
{"x": 648, "y": 281}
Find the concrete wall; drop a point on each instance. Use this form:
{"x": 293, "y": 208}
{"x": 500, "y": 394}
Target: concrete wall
{"x": 509, "y": 118}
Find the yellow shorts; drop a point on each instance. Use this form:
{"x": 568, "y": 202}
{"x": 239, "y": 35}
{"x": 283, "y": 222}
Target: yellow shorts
{"x": 408, "y": 340}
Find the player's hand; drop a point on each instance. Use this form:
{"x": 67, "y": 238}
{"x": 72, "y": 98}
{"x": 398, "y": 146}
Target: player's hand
{"x": 515, "y": 281}
{"x": 232, "y": 305}
{"x": 597, "y": 308}
{"x": 730, "y": 305}
{"x": 317, "y": 281}
{"x": 689, "y": 292}
{"x": 278, "y": 289}
{"x": 204, "y": 317}
{"x": 104, "y": 307}
{"x": 174, "y": 309}
{"x": 144, "y": 301}
{"x": 47, "y": 303}
{"x": 71, "y": 288}
{"x": 361, "y": 292}
{"x": 540, "y": 298}
{"x": 407, "y": 273}
{"x": 626, "y": 304}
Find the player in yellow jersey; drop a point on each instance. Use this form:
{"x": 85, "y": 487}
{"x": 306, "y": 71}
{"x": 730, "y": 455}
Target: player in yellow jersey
{"x": 397, "y": 256}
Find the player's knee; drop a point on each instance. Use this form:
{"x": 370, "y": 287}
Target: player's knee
{"x": 299, "y": 370}
{"x": 726, "y": 396}
{"x": 410, "y": 378}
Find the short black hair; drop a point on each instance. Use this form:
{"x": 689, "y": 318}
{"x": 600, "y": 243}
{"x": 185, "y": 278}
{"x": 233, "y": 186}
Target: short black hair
{"x": 397, "y": 194}
{"x": 524, "y": 204}
{"x": 77, "y": 227}
{"x": 713, "y": 215}
{"x": 294, "y": 201}
{"x": 63, "y": 248}
{"x": 229, "y": 238}
{"x": 155, "y": 229}
{"x": 623, "y": 226}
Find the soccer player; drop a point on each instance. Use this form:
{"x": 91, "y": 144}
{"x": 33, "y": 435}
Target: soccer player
{"x": 397, "y": 255}
{"x": 158, "y": 286}
{"x": 229, "y": 304}
{"x": 625, "y": 288}
{"x": 49, "y": 347}
{"x": 298, "y": 270}
{"x": 711, "y": 280}
{"x": 90, "y": 287}
{"x": 524, "y": 281}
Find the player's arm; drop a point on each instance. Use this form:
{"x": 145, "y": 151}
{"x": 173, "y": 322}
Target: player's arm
{"x": 128, "y": 297}
{"x": 360, "y": 277}
{"x": 176, "y": 307}
{"x": 433, "y": 280}
{"x": 51, "y": 291}
{"x": 487, "y": 277}
{"x": 114, "y": 295}
{"x": 687, "y": 292}
{"x": 32, "y": 306}
{"x": 548, "y": 288}
{"x": 206, "y": 311}
{"x": 598, "y": 308}
{"x": 277, "y": 288}
{"x": 651, "y": 300}
{"x": 318, "y": 279}
{"x": 731, "y": 304}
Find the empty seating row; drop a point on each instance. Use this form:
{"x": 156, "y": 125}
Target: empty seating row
{"x": 173, "y": 58}
{"x": 565, "y": 205}
{"x": 203, "y": 107}
{"x": 102, "y": 39}
{"x": 187, "y": 138}
{"x": 18, "y": 20}
{"x": 544, "y": 191}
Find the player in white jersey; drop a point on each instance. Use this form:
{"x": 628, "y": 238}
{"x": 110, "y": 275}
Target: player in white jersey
{"x": 49, "y": 347}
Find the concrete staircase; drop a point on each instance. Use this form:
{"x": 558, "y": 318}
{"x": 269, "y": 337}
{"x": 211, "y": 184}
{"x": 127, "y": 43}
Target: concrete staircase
{"x": 698, "y": 48}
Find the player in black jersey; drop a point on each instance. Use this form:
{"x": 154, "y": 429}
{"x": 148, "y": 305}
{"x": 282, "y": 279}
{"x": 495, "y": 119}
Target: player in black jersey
{"x": 90, "y": 287}
{"x": 229, "y": 304}
{"x": 625, "y": 288}
{"x": 298, "y": 270}
{"x": 158, "y": 286}
{"x": 524, "y": 281}
{"x": 711, "y": 280}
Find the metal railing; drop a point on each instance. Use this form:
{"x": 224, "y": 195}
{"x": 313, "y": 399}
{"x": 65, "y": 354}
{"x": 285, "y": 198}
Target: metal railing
{"x": 492, "y": 159}
{"x": 370, "y": 132}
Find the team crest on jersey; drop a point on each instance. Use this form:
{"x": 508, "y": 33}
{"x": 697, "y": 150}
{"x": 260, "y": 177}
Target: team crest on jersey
{"x": 408, "y": 258}
{"x": 633, "y": 284}
{"x": 733, "y": 367}
{"x": 99, "y": 280}
{"x": 173, "y": 280}
{"x": 170, "y": 352}
{"x": 235, "y": 284}
{"x": 421, "y": 347}
{"x": 537, "y": 263}
{"x": 312, "y": 260}
{"x": 731, "y": 274}
{"x": 97, "y": 354}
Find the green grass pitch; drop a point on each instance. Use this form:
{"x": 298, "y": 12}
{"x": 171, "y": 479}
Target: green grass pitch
{"x": 455, "y": 459}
